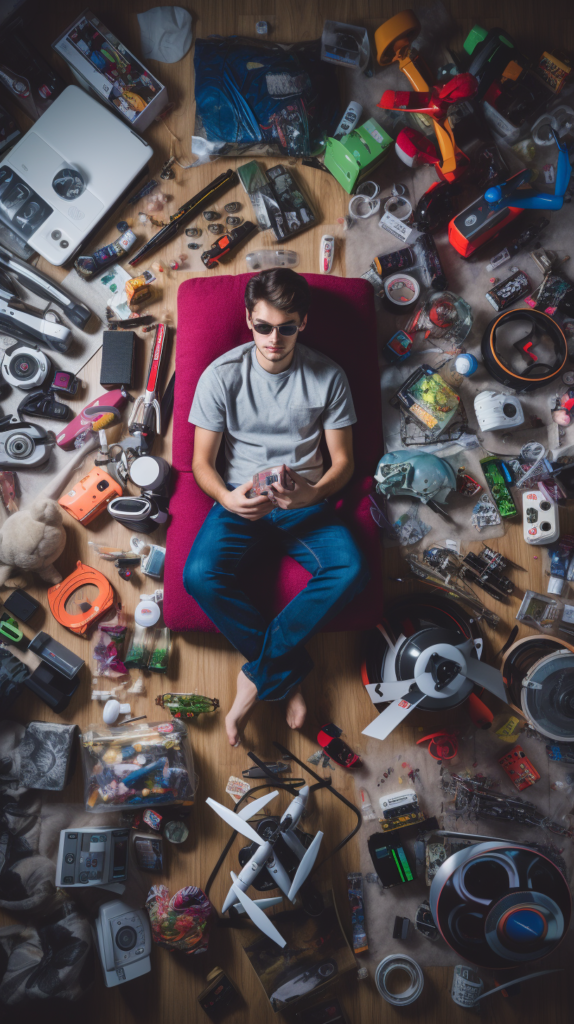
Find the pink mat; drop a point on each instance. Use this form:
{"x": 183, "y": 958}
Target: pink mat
{"x": 211, "y": 320}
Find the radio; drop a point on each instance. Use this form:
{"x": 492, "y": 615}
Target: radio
{"x": 540, "y": 519}
{"x": 90, "y": 496}
{"x": 398, "y": 803}
{"x": 60, "y": 181}
{"x": 97, "y": 857}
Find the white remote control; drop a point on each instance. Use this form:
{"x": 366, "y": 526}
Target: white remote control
{"x": 540, "y": 518}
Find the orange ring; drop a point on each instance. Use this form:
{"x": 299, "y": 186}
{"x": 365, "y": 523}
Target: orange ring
{"x": 81, "y": 577}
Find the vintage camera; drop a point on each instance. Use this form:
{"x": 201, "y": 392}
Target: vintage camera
{"x": 496, "y": 411}
{"x": 89, "y": 856}
{"x": 24, "y": 366}
{"x": 22, "y": 444}
{"x": 123, "y": 938}
{"x": 90, "y": 496}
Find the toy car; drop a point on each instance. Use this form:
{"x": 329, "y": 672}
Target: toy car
{"x": 338, "y": 751}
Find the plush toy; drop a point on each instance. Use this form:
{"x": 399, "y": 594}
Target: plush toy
{"x": 32, "y": 540}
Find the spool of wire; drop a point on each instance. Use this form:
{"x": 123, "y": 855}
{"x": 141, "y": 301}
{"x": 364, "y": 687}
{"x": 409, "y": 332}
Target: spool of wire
{"x": 405, "y": 964}
{"x": 369, "y": 189}
{"x": 361, "y": 207}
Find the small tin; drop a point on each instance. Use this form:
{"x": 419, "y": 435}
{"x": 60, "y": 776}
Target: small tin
{"x": 220, "y": 997}
{"x": 176, "y": 831}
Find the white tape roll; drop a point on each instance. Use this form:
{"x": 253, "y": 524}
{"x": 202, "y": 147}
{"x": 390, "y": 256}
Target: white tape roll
{"x": 401, "y": 291}
{"x": 398, "y": 962}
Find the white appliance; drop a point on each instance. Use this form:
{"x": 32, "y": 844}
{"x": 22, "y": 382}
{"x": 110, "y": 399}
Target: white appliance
{"x": 65, "y": 175}
{"x": 123, "y": 937}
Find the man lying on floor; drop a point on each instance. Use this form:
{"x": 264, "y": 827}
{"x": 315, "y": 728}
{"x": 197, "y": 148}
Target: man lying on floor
{"x": 272, "y": 400}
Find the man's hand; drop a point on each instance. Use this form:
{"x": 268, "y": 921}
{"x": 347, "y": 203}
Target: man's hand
{"x": 249, "y": 508}
{"x": 300, "y": 495}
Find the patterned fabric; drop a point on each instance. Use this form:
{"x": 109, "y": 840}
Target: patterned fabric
{"x": 182, "y": 922}
{"x": 45, "y": 755}
{"x": 51, "y": 962}
{"x": 27, "y": 880}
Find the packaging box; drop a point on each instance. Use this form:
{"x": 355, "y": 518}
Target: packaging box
{"x": 105, "y": 67}
{"x": 9, "y": 131}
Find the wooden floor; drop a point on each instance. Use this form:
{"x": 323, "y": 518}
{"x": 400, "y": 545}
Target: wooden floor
{"x": 208, "y": 664}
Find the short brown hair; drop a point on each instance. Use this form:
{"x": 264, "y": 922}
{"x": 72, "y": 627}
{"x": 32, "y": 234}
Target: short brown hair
{"x": 282, "y": 288}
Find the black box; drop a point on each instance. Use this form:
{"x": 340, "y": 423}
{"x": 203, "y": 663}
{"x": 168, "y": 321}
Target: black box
{"x": 21, "y": 605}
{"x": 118, "y": 352}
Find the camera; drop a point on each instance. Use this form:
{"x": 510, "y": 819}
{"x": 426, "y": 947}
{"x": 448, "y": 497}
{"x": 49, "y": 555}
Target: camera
{"x": 496, "y": 411}
{"x": 123, "y": 938}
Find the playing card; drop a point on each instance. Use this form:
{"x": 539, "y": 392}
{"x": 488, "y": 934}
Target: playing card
{"x": 262, "y": 482}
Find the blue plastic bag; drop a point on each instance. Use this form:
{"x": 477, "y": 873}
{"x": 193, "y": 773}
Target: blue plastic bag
{"x": 262, "y": 98}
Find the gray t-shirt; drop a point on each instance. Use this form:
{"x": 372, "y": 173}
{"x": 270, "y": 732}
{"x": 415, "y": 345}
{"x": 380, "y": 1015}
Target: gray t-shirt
{"x": 272, "y": 418}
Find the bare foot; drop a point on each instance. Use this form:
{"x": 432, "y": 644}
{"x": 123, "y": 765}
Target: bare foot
{"x": 244, "y": 701}
{"x": 296, "y": 710}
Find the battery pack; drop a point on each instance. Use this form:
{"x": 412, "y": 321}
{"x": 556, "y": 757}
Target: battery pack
{"x": 118, "y": 352}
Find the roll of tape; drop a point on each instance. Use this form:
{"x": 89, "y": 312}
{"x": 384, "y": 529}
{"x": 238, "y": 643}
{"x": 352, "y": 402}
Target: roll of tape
{"x": 369, "y": 189}
{"x": 398, "y": 962}
{"x": 401, "y": 291}
{"x": 399, "y": 207}
{"x": 362, "y": 207}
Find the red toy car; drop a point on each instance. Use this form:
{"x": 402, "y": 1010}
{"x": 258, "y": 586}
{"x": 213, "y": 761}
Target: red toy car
{"x": 339, "y": 752}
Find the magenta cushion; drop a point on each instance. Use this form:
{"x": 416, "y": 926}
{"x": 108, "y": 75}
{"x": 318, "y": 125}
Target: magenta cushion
{"x": 211, "y": 320}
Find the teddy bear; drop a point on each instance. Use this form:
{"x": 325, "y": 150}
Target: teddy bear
{"x": 32, "y": 540}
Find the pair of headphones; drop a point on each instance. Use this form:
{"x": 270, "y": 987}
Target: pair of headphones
{"x": 145, "y": 513}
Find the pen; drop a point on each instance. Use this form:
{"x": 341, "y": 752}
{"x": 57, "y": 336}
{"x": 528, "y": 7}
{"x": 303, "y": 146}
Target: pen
{"x": 184, "y": 214}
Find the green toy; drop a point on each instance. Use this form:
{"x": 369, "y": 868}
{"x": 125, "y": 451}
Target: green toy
{"x": 354, "y": 157}
{"x": 187, "y": 705}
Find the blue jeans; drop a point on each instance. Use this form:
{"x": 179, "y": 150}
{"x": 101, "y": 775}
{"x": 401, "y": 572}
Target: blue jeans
{"x": 275, "y": 652}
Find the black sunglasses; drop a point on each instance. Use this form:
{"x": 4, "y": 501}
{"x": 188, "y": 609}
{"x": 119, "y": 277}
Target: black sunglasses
{"x": 287, "y": 330}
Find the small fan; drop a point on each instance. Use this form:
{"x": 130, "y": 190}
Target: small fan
{"x": 435, "y": 668}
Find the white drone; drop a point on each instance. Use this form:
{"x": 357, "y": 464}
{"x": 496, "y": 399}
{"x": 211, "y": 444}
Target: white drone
{"x": 265, "y": 857}
{"x": 442, "y": 675}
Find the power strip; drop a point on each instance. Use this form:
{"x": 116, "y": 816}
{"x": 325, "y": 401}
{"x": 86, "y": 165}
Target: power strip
{"x": 540, "y": 519}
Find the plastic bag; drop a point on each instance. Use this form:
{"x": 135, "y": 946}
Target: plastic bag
{"x": 263, "y": 98}
{"x": 107, "y": 645}
{"x": 138, "y": 765}
{"x": 181, "y": 922}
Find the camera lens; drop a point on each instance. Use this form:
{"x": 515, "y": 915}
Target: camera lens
{"x": 126, "y": 938}
{"x": 544, "y": 506}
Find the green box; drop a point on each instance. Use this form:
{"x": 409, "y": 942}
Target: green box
{"x": 353, "y": 158}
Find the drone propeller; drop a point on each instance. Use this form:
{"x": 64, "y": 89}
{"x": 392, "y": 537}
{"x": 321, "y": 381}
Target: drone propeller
{"x": 235, "y": 822}
{"x": 256, "y": 914}
{"x": 392, "y": 716}
{"x": 257, "y": 805}
{"x": 271, "y": 901}
{"x": 305, "y": 866}
{"x": 483, "y": 675}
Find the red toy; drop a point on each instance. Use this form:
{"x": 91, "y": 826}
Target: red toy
{"x": 442, "y": 745}
{"x": 339, "y": 752}
{"x": 519, "y": 769}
